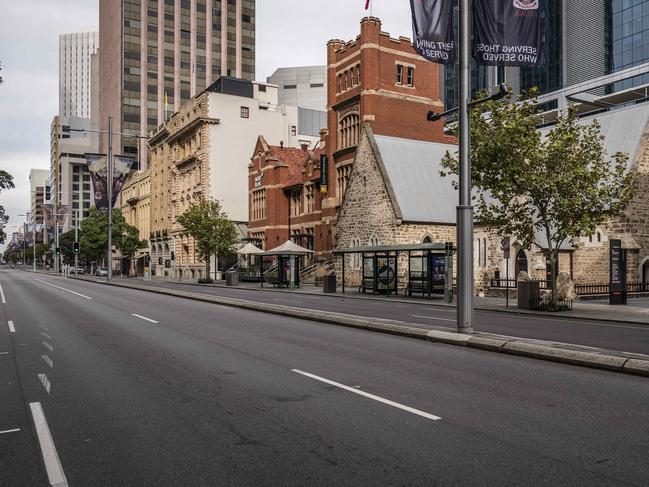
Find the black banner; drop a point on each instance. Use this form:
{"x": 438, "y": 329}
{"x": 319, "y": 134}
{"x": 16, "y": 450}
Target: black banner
{"x": 432, "y": 30}
{"x": 507, "y": 32}
{"x": 324, "y": 173}
{"x": 98, "y": 169}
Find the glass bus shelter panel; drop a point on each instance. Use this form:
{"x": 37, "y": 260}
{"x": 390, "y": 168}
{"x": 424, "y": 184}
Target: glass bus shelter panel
{"x": 386, "y": 273}
{"x": 438, "y": 270}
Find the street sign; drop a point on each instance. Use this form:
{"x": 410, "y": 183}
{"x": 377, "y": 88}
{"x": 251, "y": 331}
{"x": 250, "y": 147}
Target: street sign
{"x": 506, "y": 248}
{"x": 617, "y": 284}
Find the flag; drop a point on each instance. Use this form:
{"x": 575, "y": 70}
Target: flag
{"x": 507, "y": 33}
{"x": 432, "y": 30}
{"x": 367, "y": 4}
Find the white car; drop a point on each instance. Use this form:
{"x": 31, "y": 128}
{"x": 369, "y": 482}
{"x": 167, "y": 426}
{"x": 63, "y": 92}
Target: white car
{"x": 101, "y": 272}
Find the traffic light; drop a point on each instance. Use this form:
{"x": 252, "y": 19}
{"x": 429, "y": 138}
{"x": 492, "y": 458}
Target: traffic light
{"x": 76, "y": 248}
{"x": 57, "y": 251}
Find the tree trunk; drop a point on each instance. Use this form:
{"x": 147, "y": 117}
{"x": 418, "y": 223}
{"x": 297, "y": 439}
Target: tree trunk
{"x": 207, "y": 267}
{"x": 553, "y": 273}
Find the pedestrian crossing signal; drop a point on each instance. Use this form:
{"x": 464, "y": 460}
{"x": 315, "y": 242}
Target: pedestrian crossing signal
{"x": 76, "y": 248}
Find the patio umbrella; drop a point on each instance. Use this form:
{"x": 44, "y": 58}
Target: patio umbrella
{"x": 250, "y": 249}
{"x": 289, "y": 248}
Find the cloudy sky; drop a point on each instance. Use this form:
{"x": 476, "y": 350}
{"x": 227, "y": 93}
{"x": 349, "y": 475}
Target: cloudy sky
{"x": 289, "y": 33}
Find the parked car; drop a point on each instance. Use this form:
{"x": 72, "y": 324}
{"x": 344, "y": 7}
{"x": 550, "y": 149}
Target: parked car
{"x": 81, "y": 270}
{"x": 101, "y": 272}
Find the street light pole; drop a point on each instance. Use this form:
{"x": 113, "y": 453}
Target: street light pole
{"x": 109, "y": 190}
{"x": 76, "y": 239}
{"x": 464, "y": 209}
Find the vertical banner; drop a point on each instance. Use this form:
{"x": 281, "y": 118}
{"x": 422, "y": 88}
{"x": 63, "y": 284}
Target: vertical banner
{"x": 98, "y": 168}
{"x": 507, "y": 33}
{"x": 432, "y": 30}
{"x": 123, "y": 166}
{"x": 324, "y": 173}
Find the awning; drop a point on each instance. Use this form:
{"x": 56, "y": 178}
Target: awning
{"x": 369, "y": 249}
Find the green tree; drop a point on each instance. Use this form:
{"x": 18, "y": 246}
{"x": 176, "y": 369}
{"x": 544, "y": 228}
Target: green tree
{"x": 560, "y": 186}
{"x": 213, "y": 232}
{"x": 6, "y": 182}
{"x": 130, "y": 242}
{"x": 66, "y": 241}
{"x": 94, "y": 234}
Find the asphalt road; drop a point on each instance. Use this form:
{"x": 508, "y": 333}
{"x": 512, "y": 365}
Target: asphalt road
{"x": 140, "y": 389}
{"x": 624, "y": 337}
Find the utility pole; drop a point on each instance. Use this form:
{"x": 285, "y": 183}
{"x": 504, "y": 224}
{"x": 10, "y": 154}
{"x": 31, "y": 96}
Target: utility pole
{"x": 34, "y": 248}
{"x": 76, "y": 239}
{"x": 57, "y": 134}
{"x": 109, "y": 190}
{"x": 464, "y": 209}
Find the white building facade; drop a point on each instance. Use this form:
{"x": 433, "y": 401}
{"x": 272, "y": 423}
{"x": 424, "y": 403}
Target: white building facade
{"x": 75, "y": 74}
{"x": 39, "y": 182}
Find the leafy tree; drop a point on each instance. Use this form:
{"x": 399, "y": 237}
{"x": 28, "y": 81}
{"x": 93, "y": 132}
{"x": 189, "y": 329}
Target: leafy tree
{"x": 212, "y": 230}
{"x": 66, "y": 241}
{"x": 93, "y": 237}
{"x": 6, "y": 182}
{"x": 130, "y": 242}
{"x": 559, "y": 186}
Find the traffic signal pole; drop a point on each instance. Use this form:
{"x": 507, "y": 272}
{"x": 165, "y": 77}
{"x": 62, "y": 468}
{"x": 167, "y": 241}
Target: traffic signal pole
{"x": 109, "y": 190}
{"x": 76, "y": 239}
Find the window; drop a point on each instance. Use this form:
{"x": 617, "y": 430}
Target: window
{"x": 342, "y": 178}
{"x": 293, "y": 130}
{"x": 290, "y": 87}
{"x": 356, "y": 258}
{"x": 295, "y": 203}
{"x": 349, "y": 130}
{"x": 309, "y": 199}
{"x": 259, "y": 204}
{"x": 262, "y": 88}
{"x": 245, "y": 112}
{"x": 411, "y": 77}
{"x": 399, "y": 74}
{"x": 317, "y": 85}
{"x": 599, "y": 236}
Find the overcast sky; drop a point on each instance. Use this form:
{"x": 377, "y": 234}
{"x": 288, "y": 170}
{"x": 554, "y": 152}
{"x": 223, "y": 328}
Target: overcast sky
{"x": 289, "y": 33}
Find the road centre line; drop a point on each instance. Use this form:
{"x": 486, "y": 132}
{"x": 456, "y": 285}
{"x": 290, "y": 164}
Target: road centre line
{"x": 48, "y": 346}
{"x": 2, "y": 295}
{"x": 143, "y": 318}
{"x": 9, "y": 431}
{"x": 370, "y": 396}
{"x": 433, "y": 318}
{"x": 51, "y": 459}
{"x": 10, "y": 324}
{"x": 64, "y": 289}
{"x": 45, "y": 381}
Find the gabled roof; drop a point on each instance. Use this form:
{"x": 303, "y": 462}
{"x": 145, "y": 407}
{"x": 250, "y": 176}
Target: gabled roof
{"x": 295, "y": 159}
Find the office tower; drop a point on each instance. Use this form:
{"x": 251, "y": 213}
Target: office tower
{"x": 75, "y": 51}
{"x": 304, "y": 87}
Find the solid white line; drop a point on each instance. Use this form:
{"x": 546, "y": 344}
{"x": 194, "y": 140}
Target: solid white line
{"x": 64, "y": 289}
{"x": 144, "y": 318}
{"x": 2, "y": 295}
{"x": 432, "y": 318}
{"x": 53, "y": 466}
{"x": 4, "y": 353}
{"x": 48, "y": 361}
{"x": 45, "y": 381}
{"x": 49, "y": 337}
{"x": 287, "y": 300}
{"x": 48, "y": 346}
{"x": 10, "y": 324}
{"x": 9, "y": 431}
{"x": 371, "y": 396}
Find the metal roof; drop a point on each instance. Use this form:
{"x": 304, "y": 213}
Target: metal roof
{"x": 413, "y": 171}
{"x": 391, "y": 248}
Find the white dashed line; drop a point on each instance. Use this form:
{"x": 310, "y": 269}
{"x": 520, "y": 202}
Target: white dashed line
{"x": 370, "y": 396}
{"x": 10, "y": 324}
{"x": 4, "y": 353}
{"x": 45, "y": 381}
{"x": 64, "y": 289}
{"x": 49, "y": 337}
{"x": 433, "y": 318}
{"x": 48, "y": 361}
{"x": 144, "y": 318}
{"x": 48, "y": 346}
{"x": 2, "y": 295}
{"x": 9, "y": 431}
{"x": 51, "y": 459}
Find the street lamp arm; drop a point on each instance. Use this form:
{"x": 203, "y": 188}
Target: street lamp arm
{"x": 113, "y": 133}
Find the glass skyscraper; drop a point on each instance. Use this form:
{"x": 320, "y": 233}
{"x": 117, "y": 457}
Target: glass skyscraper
{"x": 627, "y": 29}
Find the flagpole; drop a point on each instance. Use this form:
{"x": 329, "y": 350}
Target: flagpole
{"x": 464, "y": 209}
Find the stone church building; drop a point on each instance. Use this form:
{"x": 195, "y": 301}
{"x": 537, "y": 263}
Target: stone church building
{"x": 396, "y": 196}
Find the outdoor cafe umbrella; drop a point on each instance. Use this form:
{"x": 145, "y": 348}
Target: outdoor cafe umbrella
{"x": 289, "y": 248}
{"x": 250, "y": 249}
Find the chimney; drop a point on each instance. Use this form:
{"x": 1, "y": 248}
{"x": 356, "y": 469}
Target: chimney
{"x": 305, "y": 147}
{"x": 281, "y": 144}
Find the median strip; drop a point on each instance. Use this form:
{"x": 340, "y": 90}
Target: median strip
{"x": 629, "y": 363}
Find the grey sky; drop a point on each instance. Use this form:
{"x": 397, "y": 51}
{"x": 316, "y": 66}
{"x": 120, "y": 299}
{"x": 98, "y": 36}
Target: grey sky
{"x": 289, "y": 33}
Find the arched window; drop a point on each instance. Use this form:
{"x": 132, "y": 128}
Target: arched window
{"x": 599, "y": 236}
{"x": 356, "y": 258}
{"x": 427, "y": 239}
{"x": 348, "y": 130}
{"x": 484, "y": 252}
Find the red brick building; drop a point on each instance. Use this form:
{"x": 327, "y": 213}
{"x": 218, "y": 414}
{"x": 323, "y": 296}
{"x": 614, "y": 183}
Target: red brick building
{"x": 284, "y": 195}
{"x": 373, "y": 79}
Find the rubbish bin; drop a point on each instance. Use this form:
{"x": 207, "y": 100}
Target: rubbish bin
{"x": 232, "y": 278}
{"x": 528, "y": 294}
{"x": 329, "y": 284}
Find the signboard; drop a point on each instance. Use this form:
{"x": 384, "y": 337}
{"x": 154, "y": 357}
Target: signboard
{"x": 258, "y": 180}
{"x": 506, "y": 248}
{"x": 617, "y": 272}
{"x": 98, "y": 168}
{"x": 432, "y": 30}
{"x": 507, "y": 33}
{"x": 324, "y": 173}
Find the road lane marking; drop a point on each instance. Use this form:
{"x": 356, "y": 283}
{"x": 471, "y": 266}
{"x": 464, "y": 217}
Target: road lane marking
{"x": 45, "y": 381}
{"x": 433, "y": 318}
{"x": 512, "y": 316}
{"x": 2, "y": 295}
{"x": 48, "y": 361}
{"x": 64, "y": 289}
{"x": 287, "y": 300}
{"x": 9, "y": 431}
{"x": 370, "y": 396}
{"x": 10, "y": 324}
{"x": 51, "y": 459}
{"x": 144, "y": 318}
{"x": 44, "y": 327}
{"x": 4, "y": 353}
{"x": 48, "y": 346}
{"x": 49, "y": 337}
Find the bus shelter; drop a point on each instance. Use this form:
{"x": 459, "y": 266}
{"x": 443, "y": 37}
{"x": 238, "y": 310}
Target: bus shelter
{"x": 284, "y": 269}
{"x": 380, "y": 272}
{"x": 250, "y": 261}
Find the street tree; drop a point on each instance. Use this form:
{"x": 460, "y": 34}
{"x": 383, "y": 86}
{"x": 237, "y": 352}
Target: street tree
{"x": 559, "y": 186}
{"x": 129, "y": 243}
{"x": 6, "y": 182}
{"x": 94, "y": 233}
{"x": 213, "y": 231}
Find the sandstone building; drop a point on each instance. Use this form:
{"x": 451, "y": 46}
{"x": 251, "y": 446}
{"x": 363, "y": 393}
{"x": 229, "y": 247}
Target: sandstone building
{"x": 135, "y": 203}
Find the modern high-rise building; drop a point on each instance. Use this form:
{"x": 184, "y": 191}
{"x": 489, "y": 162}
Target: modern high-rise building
{"x": 75, "y": 77}
{"x": 304, "y": 87}
{"x": 582, "y": 40}
{"x": 159, "y": 53}
{"x": 39, "y": 182}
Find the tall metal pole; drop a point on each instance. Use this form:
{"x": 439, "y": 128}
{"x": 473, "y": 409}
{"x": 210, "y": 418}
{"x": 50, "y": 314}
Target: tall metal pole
{"x": 76, "y": 239}
{"x": 24, "y": 243}
{"x": 109, "y": 190}
{"x": 34, "y": 248}
{"x": 57, "y": 262}
{"x": 464, "y": 209}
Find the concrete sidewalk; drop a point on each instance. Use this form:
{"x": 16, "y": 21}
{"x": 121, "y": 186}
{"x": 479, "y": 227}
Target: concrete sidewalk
{"x": 637, "y": 311}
